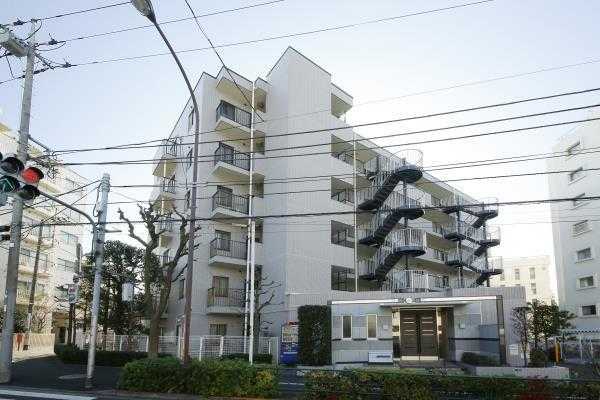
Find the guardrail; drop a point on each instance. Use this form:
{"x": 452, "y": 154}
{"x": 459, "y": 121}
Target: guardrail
{"x": 233, "y": 157}
{"x": 234, "y": 113}
{"x": 228, "y": 248}
{"x": 230, "y": 201}
{"x": 219, "y": 297}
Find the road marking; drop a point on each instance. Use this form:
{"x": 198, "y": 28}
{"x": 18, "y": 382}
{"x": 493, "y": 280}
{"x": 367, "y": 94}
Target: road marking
{"x": 72, "y": 376}
{"x": 291, "y": 383}
{"x": 54, "y": 396}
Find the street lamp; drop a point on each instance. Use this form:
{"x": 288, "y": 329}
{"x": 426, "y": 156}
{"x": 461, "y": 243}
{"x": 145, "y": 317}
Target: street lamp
{"x": 146, "y": 9}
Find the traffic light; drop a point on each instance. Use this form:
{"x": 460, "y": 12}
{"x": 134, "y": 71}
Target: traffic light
{"x": 4, "y": 236}
{"x": 18, "y": 179}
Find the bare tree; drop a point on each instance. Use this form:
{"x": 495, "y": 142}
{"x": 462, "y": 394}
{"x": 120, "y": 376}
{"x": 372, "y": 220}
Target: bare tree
{"x": 157, "y": 278}
{"x": 264, "y": 297}
{"x": 521, "y": 320}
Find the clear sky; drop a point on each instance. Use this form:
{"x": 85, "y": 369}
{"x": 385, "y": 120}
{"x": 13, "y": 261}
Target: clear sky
{"x": 129, "y": 101}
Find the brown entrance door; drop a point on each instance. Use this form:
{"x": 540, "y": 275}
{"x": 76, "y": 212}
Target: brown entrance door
{"x": 418, "y": 333}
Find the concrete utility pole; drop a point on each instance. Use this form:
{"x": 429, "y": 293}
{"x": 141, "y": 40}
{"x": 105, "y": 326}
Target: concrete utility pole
{"x": 73, "y": 334}
{"x": 252, "y": 238}
{"x": 12, "y": 274}
{"x": 98, "y": 252}
{"x": 33, "y": 283}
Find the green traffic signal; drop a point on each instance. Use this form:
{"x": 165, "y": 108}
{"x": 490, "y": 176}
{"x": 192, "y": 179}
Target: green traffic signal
{"x": 9, "y": 184}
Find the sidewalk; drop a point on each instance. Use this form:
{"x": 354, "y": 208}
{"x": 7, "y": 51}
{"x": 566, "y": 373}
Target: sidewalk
{"x": 32, "y": 353}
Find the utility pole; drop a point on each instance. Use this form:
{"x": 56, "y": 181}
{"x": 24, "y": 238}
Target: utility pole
{"x": 78, "y": 255}
{"x": 98, "y": 253}
{"x": 14, "y": 251}
{"x": 33, "y": 284}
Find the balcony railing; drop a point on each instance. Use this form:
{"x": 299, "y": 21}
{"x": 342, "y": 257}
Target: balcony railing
{"x": 224, "y": 297}
{"x": 165, "y": 224}
{"x": 415, "y": 280}
{"x": 229, "y": 156}
{"x": 230, "y": 201}
{"x": 168, "y": 185}
{"x": 348, "y": 159}
{"x": 170, "y": 147}
{"x": 343, "y": 196}
{"x": 234, "y": 113}
{"x": 228, "y": 248}
{"x": 343, "y": 238}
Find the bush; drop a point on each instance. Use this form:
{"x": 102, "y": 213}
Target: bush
{"x": 537, "y": 358}
{"x": 353, "y": 384}
{"x": 314, "y": 335}
{"x": 258, "y": 358}
{"x": 73, "y": 355}
{"x": 479, "y": 360}
{"x": 206, "y": 378}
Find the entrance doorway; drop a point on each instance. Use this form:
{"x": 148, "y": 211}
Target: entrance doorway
{"x": 415, "y": 334}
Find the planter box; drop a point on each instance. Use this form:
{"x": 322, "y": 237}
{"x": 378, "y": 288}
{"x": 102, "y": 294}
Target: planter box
{"x": 545, "y": 373}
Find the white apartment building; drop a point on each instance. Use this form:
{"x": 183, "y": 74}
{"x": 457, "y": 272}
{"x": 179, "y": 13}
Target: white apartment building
{"x": 57, "y": 262}
{"x": 533, "y": 273}
{"x": 575, "y": 227}
{"x": 408, "y": 277}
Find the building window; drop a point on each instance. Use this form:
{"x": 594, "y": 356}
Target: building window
{"x": 533, "y": 288}
{"x": 583, "y": 254}
{"x": 371, "y": 326}
{"x": 532, "y": 273}
{"x": 347, "y": 327}
{"x": 588, "y": 311}
{"x": 578, "y": 201}
{"x": 68, "y": 238}
{"x": 586, "y": 282}
{"x": 67, "y": 265}
{"x": 517, "y": 274}
{"x": 221, "y": 286}
{"x": 189, "y": 160}
{"x": 580, "y": 227}
{"x": 576, "y": 174}
{"x": 181, "y": 289}
{"x": 218, "y": 329}
{"x": 342, "y": 278}
{"x": 574, "y": 149}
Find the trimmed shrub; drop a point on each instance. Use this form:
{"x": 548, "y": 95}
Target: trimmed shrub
{"x": 354, "y": 384}
{"x": 537, "y": 358}
{"x": 314, "y": 335}
{"x": 479, "y": 360}
{"x": 258, "y": 358}
{"x": 73, "y": 355}
{"x": 206, "y": 378}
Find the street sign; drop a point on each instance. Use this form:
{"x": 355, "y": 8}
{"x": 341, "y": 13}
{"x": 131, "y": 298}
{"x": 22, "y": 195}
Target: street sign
{"x": 127, "y": 292}
{"x": 73, "y": 293}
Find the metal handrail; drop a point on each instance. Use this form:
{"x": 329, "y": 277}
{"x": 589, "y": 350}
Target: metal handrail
{"x": 343, "y": 238}
{"x": 416, "y": 280}
{"x": 170, "y": 147}
{"x": 235, "y": 158}
{"x": 230, "y": 201}
{"x": 225, "y": 297}
{"x": 349, "y": 159}
{"x": 168, "y": 185}
{"x": 228, "y": 248}
{"x": 408, "y": 157}
{"x": 234, "y": 113}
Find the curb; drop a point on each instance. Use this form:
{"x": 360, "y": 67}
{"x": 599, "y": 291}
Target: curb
{"x": 164, "y": 396}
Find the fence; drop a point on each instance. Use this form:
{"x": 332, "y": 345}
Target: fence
{"x": 580, "y": 349}
{"x": 209, "y": 346}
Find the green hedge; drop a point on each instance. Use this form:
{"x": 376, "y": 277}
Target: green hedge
{"x": 206, "y": 378}
{"x": 314, "y": 335}
{"x": 478, "y": 359}
{"x": 73, "y": 355}
{"x": 352, "y": 384}
{"x": 258, "y": 358}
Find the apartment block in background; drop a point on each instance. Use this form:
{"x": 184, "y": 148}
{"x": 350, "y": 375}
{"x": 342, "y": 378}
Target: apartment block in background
{"x": 532, "y": 273}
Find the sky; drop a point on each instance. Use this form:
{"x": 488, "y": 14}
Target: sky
{"x": 385, "y": 65}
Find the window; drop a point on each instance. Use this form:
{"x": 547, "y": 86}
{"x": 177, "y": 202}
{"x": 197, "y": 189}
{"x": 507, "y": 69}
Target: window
{"x": 517, "y": 274}
{"x": 67, "y": 265}
{"x": 68, "y": 238}
{"x": 189, "y": 160}
{"x": 588, "y": 311}
{"x": 574, "y": 149}
{"x": 371, "y": 326}
{"x": 181, "y": 289}
{"x": 578, "y": 201}
{"x": 580, "y": 227}
{"x": 586, "y": 282}
{"x": 531, "y": 273}
{"x": 223, "y": 240}
{"x": 342, "y": 278}
{"x": 576, "y": 174}
{"x": 221, "y": 286}
{"x": 347, "y": 327}
{"x": 583, "y": 254}
{"x": 533, "y": 288}
{"x": 190, "y": 121}
{"x": 218, "y": 329}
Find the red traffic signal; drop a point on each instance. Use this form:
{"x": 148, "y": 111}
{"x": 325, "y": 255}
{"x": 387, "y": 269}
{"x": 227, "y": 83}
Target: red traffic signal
{"x": 32, "y": 175}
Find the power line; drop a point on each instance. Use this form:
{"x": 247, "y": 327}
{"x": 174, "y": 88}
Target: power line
{"x": 67, "y": 14}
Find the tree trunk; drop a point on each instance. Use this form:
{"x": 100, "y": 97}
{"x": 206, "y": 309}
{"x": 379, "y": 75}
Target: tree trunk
{"x": 105, "y": 323}
{"x": 153, "y": 336}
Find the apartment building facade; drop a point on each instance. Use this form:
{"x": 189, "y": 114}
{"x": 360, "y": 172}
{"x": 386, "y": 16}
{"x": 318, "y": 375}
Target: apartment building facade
{"x": 532, "y": 272}
{"x": 58, "y": 250}
{"x": 574, "y": 227}
{"x": 386, "y": 249}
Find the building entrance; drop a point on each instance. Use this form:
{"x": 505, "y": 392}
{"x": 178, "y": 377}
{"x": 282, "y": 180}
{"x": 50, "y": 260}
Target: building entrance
{"x": 415, "y": 334}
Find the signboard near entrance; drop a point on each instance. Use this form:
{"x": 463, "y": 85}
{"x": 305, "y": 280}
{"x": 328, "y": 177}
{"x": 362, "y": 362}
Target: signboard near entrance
{"x": 289, "y": 344}
{"x": 72, "y": 292}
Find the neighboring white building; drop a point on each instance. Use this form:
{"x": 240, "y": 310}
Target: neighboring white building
{"x": 57, "y": 263}
{"x": 576, "y": 228}
{"x": 533, "y": 273}
{"x": 412, "y": 266}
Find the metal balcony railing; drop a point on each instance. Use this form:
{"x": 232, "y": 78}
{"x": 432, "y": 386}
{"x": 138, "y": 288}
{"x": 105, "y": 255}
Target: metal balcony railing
{"x": 346, "y": 157}
{"x": 228, "y": 248}
{"x": 170, "y": 147}
{"x": 407, "y": 237}
{"x": 402, "y": 280}
{"x": 493, "y": 263}
{"x": 165, "y": 224}
{"x": 343, "y": 238}
{"x": 343, "y": 196}
{"x": 491, "y": 233}
{"x": 465, "y": 255}
{"x": 396, "y": 199}
{"x": 233, "y": 157}
{"x": 404, "y": 158}
{"x": 234, "y": 113}
{"x": 168, "y": 185}
{"x": 436, "y": 254}
{"x": 230, "y": 201}
{"x": 225, "y": 297}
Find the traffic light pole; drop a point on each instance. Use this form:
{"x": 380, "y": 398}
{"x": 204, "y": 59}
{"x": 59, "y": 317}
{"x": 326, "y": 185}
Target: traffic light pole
{"x": 36, "y": 264}
{"x": 12, "y": 266}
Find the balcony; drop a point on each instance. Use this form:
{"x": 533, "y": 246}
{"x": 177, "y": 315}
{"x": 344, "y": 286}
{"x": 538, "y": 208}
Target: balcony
{"x": 233, "y": 122}
{"x": 231, "y": 164}
{"x": 402, "y": 281}
{"x": 346, "y": 157}
{"x": 227, "y": 205}
{"x": 343, "y": 238}
{"x": 26, "y": 266}
{"x": 167, "y": 158}
{"x": 227, "y": 253}
{"x": 343, "y": 196}
{"x": 165, "y": 189}
{"x": 225, "y": 301}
